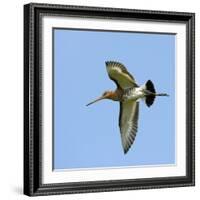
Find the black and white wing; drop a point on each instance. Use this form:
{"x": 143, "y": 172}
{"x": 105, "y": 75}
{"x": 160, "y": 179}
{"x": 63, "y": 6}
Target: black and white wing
{"x": 119, "y": 74}
{"x": 128, "y": 123}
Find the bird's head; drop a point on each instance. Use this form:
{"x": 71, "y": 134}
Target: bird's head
{"x": 105, "y": 95}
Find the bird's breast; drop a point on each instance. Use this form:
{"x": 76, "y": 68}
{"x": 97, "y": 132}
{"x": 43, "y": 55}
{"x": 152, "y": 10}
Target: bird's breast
{"x": 133, "y": 94}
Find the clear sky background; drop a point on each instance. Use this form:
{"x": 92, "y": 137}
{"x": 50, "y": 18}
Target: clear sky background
{"x": 87, "y": 137}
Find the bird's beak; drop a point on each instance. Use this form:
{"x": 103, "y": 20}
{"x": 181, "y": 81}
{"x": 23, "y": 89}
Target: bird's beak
{"x": 98, "y": 99}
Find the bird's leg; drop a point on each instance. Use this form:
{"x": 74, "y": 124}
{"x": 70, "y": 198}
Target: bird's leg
{"x": 161, "y": 94}
{"x": 147, "y": 92}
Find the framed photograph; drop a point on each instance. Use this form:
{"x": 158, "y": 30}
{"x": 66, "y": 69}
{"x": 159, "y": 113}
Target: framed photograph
{"x": 109, "y": 99}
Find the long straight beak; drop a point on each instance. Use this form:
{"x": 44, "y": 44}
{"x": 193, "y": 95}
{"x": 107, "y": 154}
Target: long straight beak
{"x": 98, "y": 99}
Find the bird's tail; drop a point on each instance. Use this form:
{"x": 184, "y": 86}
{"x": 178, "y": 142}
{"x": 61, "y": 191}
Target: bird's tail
{"x": 149, "y": 99}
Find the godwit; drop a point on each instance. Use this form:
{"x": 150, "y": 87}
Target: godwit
{"x": 128, "y": 93}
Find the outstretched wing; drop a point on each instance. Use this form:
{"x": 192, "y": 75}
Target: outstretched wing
{"x": 119, "y": 74}
{"x": 128, "y": 122}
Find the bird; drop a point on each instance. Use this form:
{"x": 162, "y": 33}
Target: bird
{"x": 128, "y": 93}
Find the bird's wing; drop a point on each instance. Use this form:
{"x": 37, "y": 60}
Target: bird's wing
{"x": 128, "y": 122}
{"x": 119, "y": 74}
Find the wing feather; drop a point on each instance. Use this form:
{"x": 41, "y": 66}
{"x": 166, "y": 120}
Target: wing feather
{"x": 119, "y": 74}
{"x": 128, "y": 122}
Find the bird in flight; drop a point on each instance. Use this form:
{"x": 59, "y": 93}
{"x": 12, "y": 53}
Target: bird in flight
{"x": 128, "y": 93}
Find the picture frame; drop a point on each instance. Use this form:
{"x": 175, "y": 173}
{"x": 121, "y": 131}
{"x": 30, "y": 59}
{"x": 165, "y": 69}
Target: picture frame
{"x": 35, "y": 90}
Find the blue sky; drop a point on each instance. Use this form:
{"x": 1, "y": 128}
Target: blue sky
{"x": 87, "y": 137}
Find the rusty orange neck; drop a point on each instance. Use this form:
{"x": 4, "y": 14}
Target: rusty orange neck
{"x": 115, "y": 95}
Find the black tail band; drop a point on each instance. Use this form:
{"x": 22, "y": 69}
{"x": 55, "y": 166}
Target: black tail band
{"x": 150, "y": 98}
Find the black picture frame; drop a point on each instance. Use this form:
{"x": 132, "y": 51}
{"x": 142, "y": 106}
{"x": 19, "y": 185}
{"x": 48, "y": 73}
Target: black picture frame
{"x": 33, "y": 185}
